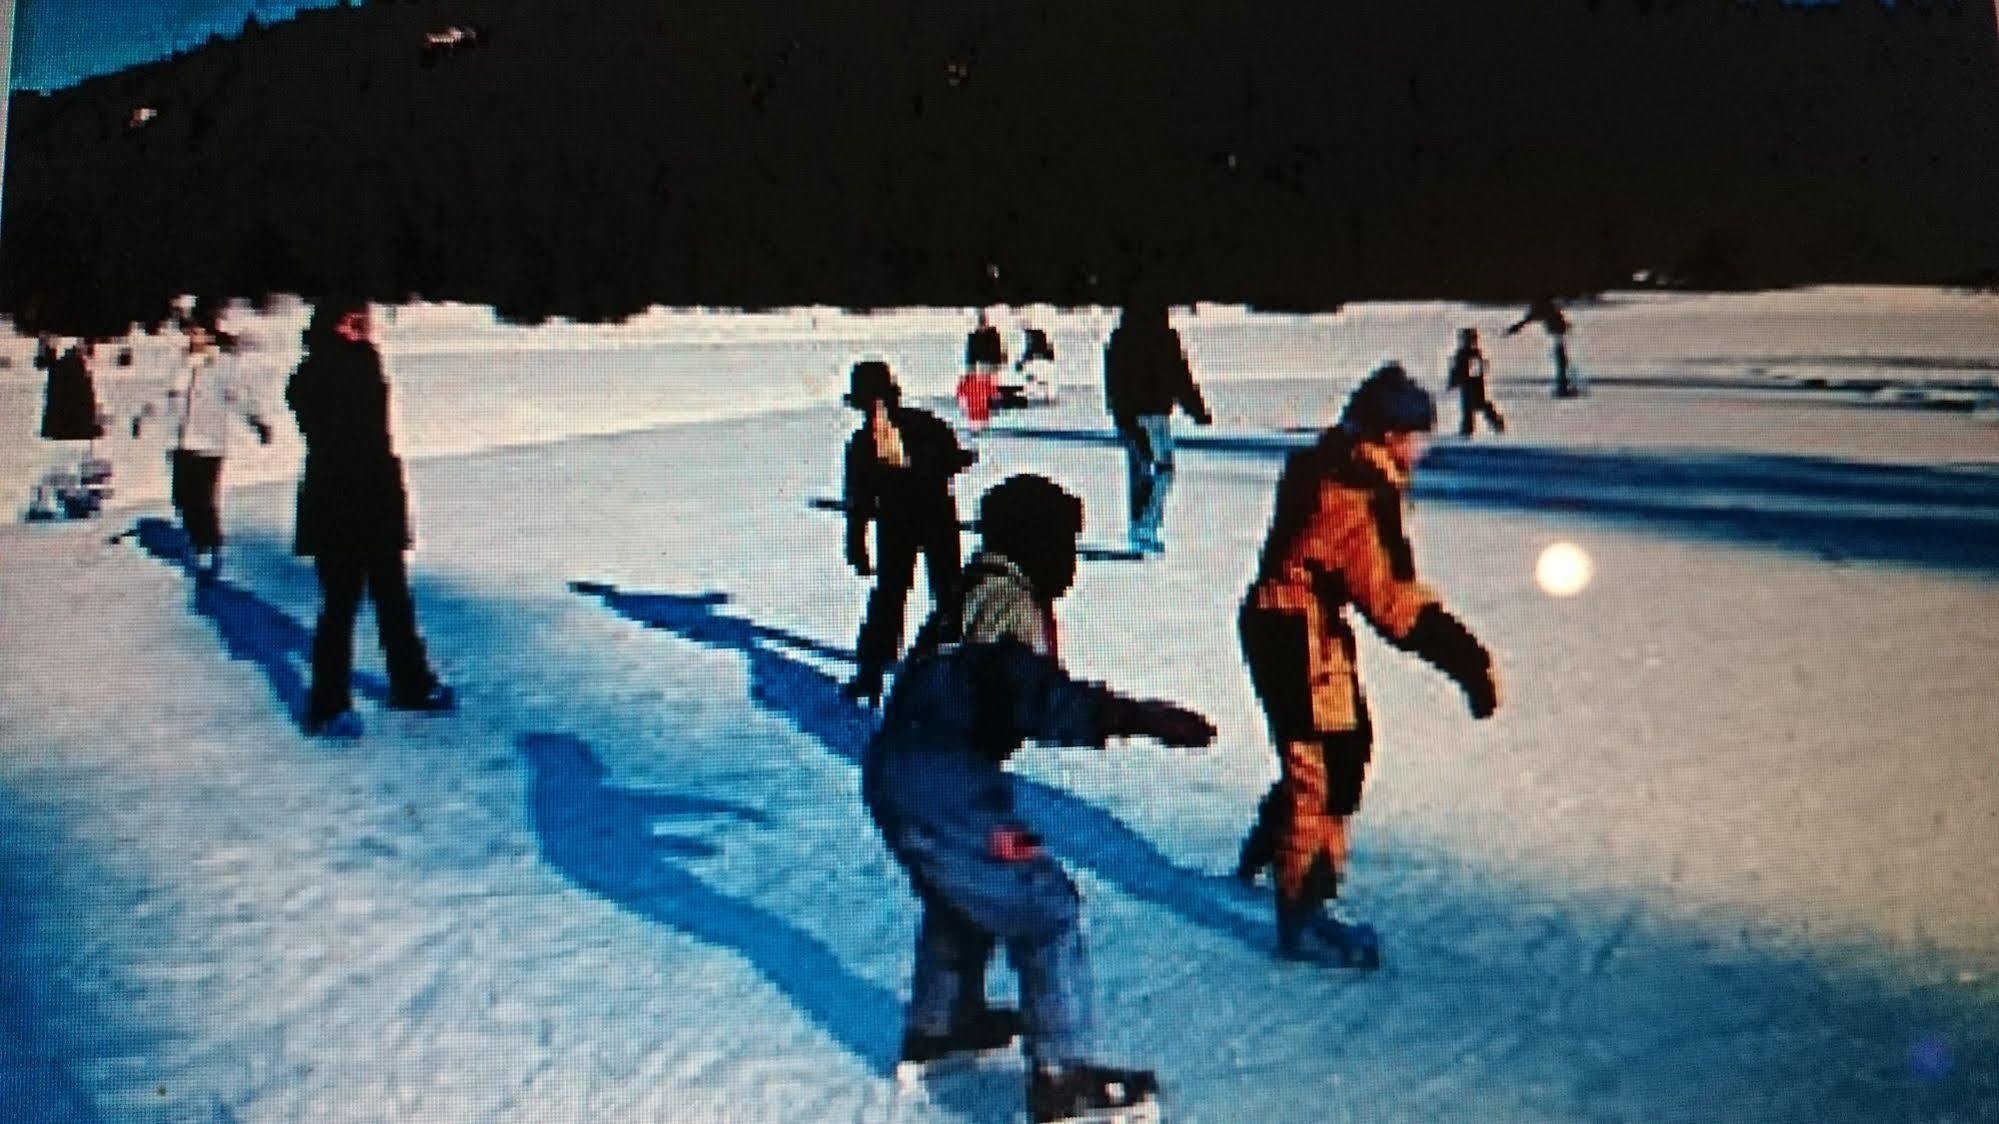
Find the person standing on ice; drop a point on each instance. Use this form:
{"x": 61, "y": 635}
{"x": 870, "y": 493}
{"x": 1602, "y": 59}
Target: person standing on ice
{"x": 205, "y": 394}
{"x": 984, "y": 678}
{"x": 1336, "y": 541}
{"x": 1145, "y": 375}
{"x": 1467, "y": 377}
{"x": 985, "y": 354}
{"x": 353, "y": 519}
{"x": 899, "y": 467}
{"x": 1549, "y": 315}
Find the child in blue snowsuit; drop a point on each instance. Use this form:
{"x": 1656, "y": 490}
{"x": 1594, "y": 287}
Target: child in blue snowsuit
{"x": 984, "y": 678}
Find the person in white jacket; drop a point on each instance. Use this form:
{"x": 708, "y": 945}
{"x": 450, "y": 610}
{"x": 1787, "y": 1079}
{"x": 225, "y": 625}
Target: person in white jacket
{"x": 207, "y": 394}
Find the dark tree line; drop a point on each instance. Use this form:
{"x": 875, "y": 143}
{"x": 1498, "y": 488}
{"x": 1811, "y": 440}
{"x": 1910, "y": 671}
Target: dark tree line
{"x": 588, "y": 159}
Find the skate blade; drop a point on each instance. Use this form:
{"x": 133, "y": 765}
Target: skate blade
{"x": 1144, "y": 1112}
{"x": 912, "y": 1076}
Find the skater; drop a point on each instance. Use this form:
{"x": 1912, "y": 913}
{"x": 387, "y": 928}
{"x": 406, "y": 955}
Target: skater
{"x": 1468, "y": 370}
{"x": 353, "y": 519}
{"x": 70, "y": 412}
{"x": 207, "y": 391}
{"x": 983, "y": 679}
{"x": 1337, "y": 539}
{"x": 1145, "y": 376}
{"x": 899, "y": 467}
{"x": 69, "y": 400}
{"x": 984, "y": 356}
{"x": 1548, "y": 314}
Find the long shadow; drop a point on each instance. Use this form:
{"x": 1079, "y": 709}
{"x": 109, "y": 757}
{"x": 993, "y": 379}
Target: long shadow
{"x": 604, "y": 839}
{"x": 252, "y": 629}
{"x": 1074, "y": 829}
{"x": 1934, "y": 517}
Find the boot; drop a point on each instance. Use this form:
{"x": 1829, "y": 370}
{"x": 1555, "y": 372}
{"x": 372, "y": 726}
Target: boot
{"x": 1090, "y": 1092}
{"x": 1306, "y": 932}
{"x": 864, "y": 688}
{"x": 986, "y": 1029}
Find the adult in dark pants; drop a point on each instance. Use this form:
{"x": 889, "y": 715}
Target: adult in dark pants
{"x": 899, "y": 466}
{"x": 353, "y": 519}
{"x": 983, "y": 679}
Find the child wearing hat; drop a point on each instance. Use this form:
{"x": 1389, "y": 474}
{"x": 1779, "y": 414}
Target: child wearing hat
{"x": 1336, "y": 542}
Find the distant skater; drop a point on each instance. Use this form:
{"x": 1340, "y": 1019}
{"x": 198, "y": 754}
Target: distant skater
{"x": 1468, "y": 371}
{"x": 353, "y": 519}
{"x": 1549, "y": 315}
{"x": 1145, "y": 375}
{"x": 984, "y": 678}
{"x": 1337, "y": 540}
{"x": 899, "y": 466}
{"x": 205, "y": 394}
{"x": 985, "y": 354}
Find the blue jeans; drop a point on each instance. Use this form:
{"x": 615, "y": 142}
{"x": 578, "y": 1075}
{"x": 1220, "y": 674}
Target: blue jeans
{"x": 935, "y": 811}
{"x": 1148, "y": 450}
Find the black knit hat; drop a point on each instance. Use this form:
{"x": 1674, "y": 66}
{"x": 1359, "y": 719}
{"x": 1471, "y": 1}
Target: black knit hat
{"x": 1033, "y": 521}
{"x": 1389, "y": 401}
{"x": 871, "y": 382}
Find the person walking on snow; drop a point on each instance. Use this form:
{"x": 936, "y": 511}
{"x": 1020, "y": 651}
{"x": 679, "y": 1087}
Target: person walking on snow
{"x": 207, "y": 391}
{"x": 1467, "y": 377}
{"x": 983, "y": 679}
{"x": 1337, "y": 540}
{"x": 899, "y": 466}
{"x": 1145, "y": 376}
{"x": 353, "y": 519}
{"x": 1544, "y": 311}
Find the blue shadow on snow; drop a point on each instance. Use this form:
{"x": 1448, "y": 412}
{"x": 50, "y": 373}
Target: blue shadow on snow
{"x": 1073, "y": 829}
{"x": 1943, "y": 518}
{"x": 252, "y": 629}
{"x": 603, "y": 839}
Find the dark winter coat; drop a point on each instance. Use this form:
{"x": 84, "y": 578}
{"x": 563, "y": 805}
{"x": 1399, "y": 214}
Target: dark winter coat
{"x": 933, "y": 777}
{"x": 1336, "y": 540}
{"x": 1146, "y": 374}
{"x": 351, "y": 498}
{"x": 904, "y": 478}
{"x": 69, "y": 409}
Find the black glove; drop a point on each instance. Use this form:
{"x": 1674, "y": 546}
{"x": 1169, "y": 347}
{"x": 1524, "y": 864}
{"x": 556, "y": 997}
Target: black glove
{"x": 1168, "y": 723}
{"x": 1445, "y": 642}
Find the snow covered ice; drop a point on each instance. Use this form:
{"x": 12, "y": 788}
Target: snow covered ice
{"x": 1729, "y": 852}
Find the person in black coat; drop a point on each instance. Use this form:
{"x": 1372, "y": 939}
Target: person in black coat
{"x": 69, "y": 404}
{"x": 353, "y": 519}
{"x": 899, "y": 466}
{"x": 1145, "y": 376}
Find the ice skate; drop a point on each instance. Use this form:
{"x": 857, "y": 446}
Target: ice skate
{"x": 1311, "y": 936}
{"x": 986, "y": 1038}
{"x": 865, "y": 688}
{"x": 434, "y": 698}
{"x": 342, "y": 726}
{"x": 1091, "y": 1094}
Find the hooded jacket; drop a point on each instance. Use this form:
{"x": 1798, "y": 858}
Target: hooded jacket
{"x": 1337, "y": 540}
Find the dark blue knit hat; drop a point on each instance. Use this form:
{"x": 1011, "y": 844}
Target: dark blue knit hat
{"x": 1389, "y": 401}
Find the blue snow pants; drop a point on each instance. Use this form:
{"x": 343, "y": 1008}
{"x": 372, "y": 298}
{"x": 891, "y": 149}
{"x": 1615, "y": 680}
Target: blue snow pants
{"x": 940, "y": 811}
